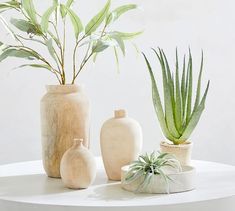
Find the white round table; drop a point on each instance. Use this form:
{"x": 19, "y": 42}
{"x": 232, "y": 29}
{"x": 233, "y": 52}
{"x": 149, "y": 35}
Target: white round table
{"x": 25, "y": 187}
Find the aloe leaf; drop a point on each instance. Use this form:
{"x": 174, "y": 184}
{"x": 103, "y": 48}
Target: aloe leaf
{"x": 76, "y": 22}
{"x": 167, "y": 97}
{"x": 157, "y": 103}
{"x": 23, "y": 25}
{"x": 189, "y": 87}
{"x": 178, "y": 108}
{"x": 115, "y": 14}
{"x": 183, "y": 93}
{"x": 195, "y": 117}
{"x": 46, "y": 17}
{"x": 96, "y": 21}
{"x": 199, "y": 85}
{"x": 30, "y": 10}
{"x": 69, "y": 3}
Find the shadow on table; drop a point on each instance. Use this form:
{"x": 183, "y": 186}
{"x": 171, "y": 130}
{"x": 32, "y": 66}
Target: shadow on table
{"x": 113, "y": 191}
{"x": 30, "y": 185}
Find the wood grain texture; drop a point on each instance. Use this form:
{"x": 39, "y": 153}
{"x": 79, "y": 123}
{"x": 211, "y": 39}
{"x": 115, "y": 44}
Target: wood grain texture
{"x": 65, "y": 115}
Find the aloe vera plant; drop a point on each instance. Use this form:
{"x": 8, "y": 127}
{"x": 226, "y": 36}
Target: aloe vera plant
{"x": 149, "y": 165}
{"x": 49, "y": 31}
{"x": 180, "y": 115}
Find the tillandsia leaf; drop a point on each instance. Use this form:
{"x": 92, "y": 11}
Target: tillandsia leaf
{"x": 76, "y": 22}
{"x": 189, "y": 87}
{"x": 198, "y": 95}
{"x": 149, "y": 165}
{"x": 18, "y": 52}
{"x": 115, "y": 14}
{"x": 97, "y": 20}
{"x": 46, "y": 17}
{"x": 30, "y": 10}
{"x": 178, "y": 106}
{"x": 23, "y": 25}
{"x": 195, "y": 117}
{"x": 126, "y": 35}
{"x": 157, "y": 103}
{"x": 169, "y": 116}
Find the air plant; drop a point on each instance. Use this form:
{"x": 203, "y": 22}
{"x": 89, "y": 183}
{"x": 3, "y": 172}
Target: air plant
{"x": 180, "y": 115}
{"x": 49, "y": 31}
{"x": 149, "y": 165}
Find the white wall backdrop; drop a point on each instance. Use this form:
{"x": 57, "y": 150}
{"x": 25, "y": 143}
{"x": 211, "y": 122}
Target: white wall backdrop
{"x": 207, "y": 25}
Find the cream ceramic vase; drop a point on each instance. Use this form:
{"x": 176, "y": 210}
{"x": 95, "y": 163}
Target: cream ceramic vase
{"x": 78, "y": 166}
{"x": 65, "y": 115}
{"x": 121, "y": 143}
{"x": 182, "y": 152}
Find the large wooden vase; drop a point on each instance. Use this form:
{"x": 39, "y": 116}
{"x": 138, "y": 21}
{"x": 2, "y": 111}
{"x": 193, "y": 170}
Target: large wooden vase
{"x": 65, "y": 115}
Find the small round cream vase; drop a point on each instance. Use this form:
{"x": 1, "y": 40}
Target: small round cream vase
{"x": 78, "y": 166}
{"x": 121, "y": 143}
{"x": 182, "y": 152}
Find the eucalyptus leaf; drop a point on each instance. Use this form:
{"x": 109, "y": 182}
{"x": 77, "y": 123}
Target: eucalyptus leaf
{"x": 125, "y": 35}
{"x": 115, "y": 14}
{"x": 17, "y": 52}
{"x": 76, "y": 22}
{"x": 100, "y": 46}
{"x": 97, "y": 20}
{"x": 30, "y": 10}
{"x": 43, "y": 66}
{"x": 46, "y": 18}
{"x": 23, "y": 25}
{"x": 120, "y": 43}
{"x": 49, "y": 44}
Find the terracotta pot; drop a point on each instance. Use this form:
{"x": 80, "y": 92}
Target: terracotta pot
{"x": 182, "y": 152}
{"x": 78, "y": 166}
{"x": 65, "y": 115}
{"x": 121, "y": 143}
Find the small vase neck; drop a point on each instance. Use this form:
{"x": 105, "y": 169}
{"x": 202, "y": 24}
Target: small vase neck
{"x": 78, "y": 142}
{"x": 120, "y": 113}
{"x": 64, "y": 89}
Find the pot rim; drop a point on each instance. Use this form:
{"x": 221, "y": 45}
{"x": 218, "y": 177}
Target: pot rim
{"x": 67, "y": 88}
{"x": 186, "y": 144}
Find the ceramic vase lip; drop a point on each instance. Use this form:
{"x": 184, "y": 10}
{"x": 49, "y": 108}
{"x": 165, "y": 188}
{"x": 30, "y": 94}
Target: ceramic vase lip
{"x": 120, "y": 113}
{"x": 78, "y": 142}
{"x": 63, "y": 89}
{"x": 186, "y": 144}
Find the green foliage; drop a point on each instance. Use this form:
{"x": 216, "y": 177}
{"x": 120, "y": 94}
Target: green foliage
{"x": 97, "y": 20}
{"x": 179, "y": 117}
{"x": 149, "y": 165}
{"x": 49, "y": 31}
